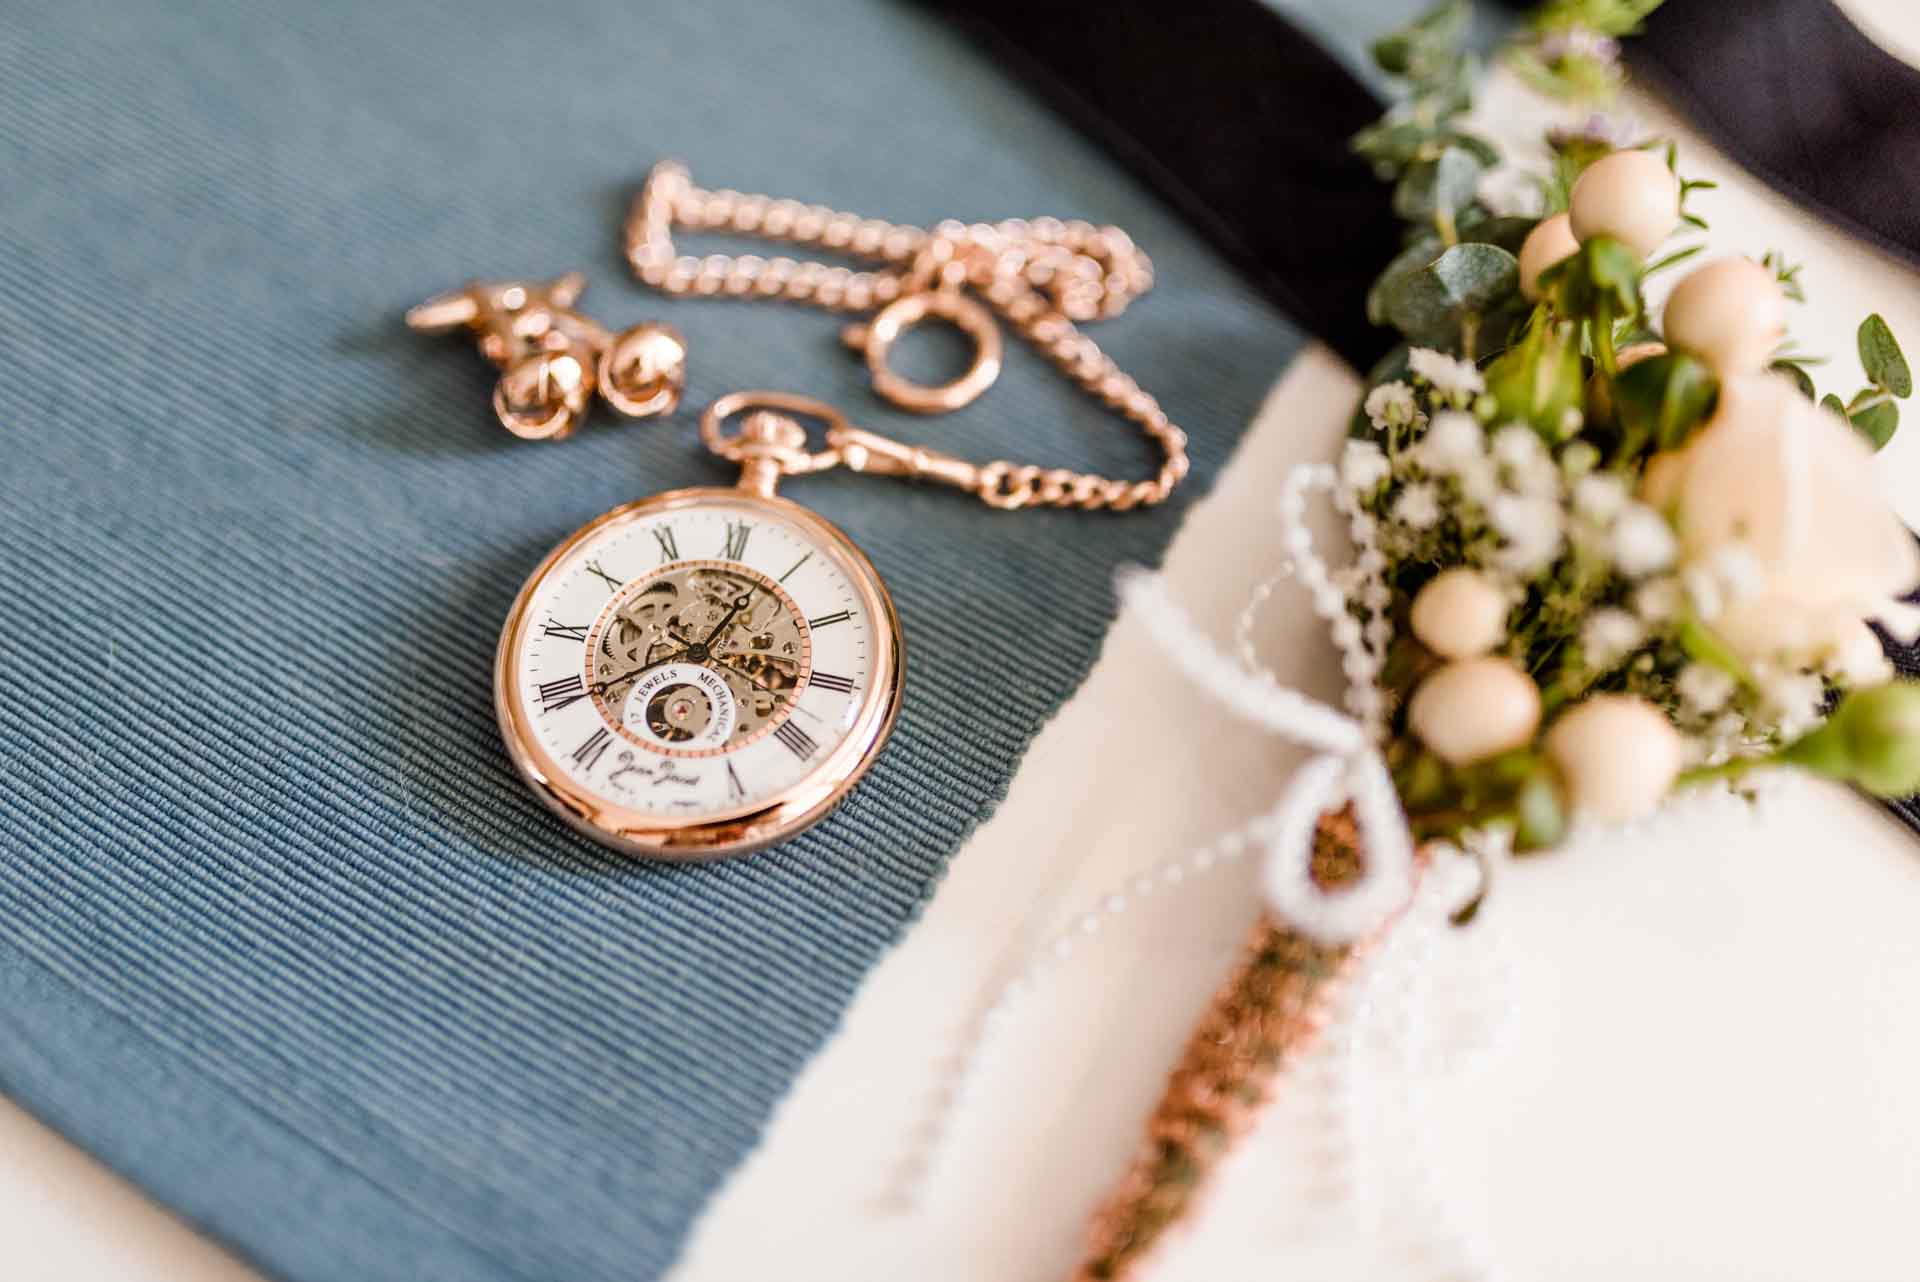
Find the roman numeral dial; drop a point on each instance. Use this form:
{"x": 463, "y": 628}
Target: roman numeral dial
{"x": 713, "y": 661}
{"x": 562, "y": 692}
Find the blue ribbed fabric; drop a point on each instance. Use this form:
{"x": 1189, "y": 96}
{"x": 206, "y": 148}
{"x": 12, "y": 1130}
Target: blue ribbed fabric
{"x": 281, "y": 937}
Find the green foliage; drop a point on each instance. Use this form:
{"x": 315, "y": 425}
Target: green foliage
{"x": 1871, "y": 740}
{"x": 1515, "y": 790}
{"x": 1426, "y": 50}
{"x": 1570, "y": 50}
{"x": 1876, "y": 421}
{"x": 1872, "y": 411}
{"x": 1880, "y": 357}
{"x": 1431, "y": 305}
{"x": 1441, "y": 187}
{"x": 1659, "y": 402}
{"x": 1603, "y": 274}
{"x": 1785, "y": 274}
{"x": 1614, "y": 18}
{"x": 1541, "y": 380}
{"x": 1801, "y": 379}
{"x": 1428, "y": 53}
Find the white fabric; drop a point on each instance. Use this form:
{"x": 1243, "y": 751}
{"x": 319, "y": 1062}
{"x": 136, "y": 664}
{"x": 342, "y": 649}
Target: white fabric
{"x": 1713, "y": 1054}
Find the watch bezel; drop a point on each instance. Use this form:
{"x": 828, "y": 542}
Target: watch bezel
{"x": 763, "y": 823}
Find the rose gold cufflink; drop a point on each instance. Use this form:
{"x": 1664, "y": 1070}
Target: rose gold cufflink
{"x": 553, "y": 359}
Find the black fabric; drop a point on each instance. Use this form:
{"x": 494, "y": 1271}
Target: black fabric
{"x": 1234, "y": 116}
{"x": 1802, "y": 98}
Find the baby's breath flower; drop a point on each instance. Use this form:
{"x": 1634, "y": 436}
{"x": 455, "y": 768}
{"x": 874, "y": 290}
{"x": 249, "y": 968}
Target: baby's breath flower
{"x": 1793, "y": 701}
{"x": 1455, "y": 381}
{"x": 1703, "y": 688}
{"x": 1363, "y": 466}
{"x": 1453, "y": 441}
{"x": 1479, "y": 481}
{"x": 1610, "y": 635}
{"x": 1658, "y": 600}
{"x": 1517, "y": 446}
{"x": 1600, "y": 497}
{"x": 1642, "y": 542}
{"x": 1392, "y": 405}
{"x": 1738, "y": 570}
{"x": 1532, "y": 530}
{"x": 1417, "y": 506}
{"x": 1703, "y": 592}
{"x": 1529, "y": 470}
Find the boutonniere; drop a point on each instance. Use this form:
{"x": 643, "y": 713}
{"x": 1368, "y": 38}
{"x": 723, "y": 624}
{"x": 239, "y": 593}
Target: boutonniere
{"x": 1596, "y": 553}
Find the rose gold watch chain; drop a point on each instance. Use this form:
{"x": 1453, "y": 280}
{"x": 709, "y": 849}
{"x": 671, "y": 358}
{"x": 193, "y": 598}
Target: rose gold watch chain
{"x": 1040, "y": 275}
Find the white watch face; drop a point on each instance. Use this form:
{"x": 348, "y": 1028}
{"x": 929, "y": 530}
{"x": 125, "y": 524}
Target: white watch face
{"x": 698, "y": 661}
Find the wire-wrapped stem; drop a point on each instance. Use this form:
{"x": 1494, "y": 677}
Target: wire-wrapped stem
{"x": 1263, "y": 1020}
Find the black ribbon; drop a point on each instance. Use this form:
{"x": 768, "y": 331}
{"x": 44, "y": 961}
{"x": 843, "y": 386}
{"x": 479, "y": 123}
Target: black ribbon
{"x": 1235, "y": 117}
{"x": 1803, "y": 99}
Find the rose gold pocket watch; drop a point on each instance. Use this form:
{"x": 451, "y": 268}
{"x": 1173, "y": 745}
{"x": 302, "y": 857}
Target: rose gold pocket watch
{"x": 708, "y": 671}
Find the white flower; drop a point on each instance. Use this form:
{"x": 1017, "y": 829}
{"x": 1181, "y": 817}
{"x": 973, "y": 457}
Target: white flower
{"x": 1599, "y": 496}
{"x": 1363, "y": 465}
{"x": 1480, "y": 481}
{"x": 1793, "y": 700}
{"x": 1703, "y": 592}
{"x": 1856, "y": 659}
{"x": 1703, "y": 688}
{"x": 1791, "y": 487}
{"x": 1658, "y": 600}
{"x": 1392, "y": 405}
{"x": 1532, "y": 530}
{"x": 1517, "y": 448}
{"x": 1417, "y": 506}
{"x": 1455, "y": 380}
{"x": 1453, "y": 441}
{"x": 1642, "y": 542}
{"x": 1901, "y": 619}
{"x": 1610, "y": 635}
{"x": 1738, "y": 570}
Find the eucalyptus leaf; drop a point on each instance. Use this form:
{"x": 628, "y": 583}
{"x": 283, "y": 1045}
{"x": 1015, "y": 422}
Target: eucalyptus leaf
{"x": 1391, "y": 144}
{"x": 1428, "y": 305}
{"x": 1877, "y": 422}
{"x": 1446, "y": 184}
{"x": 1801, "y": 379}
{"x": 1831, "y": 401}
{"x": 1880, "y": 357}
{"x": 1479, "y": 148}
{"x": 1415, "y": 257}
{"x": 1409, "y": 50}
{"x": 1507, "y": 231}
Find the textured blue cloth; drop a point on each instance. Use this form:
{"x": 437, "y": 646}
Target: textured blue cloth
{"x": 281, "y": 936}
